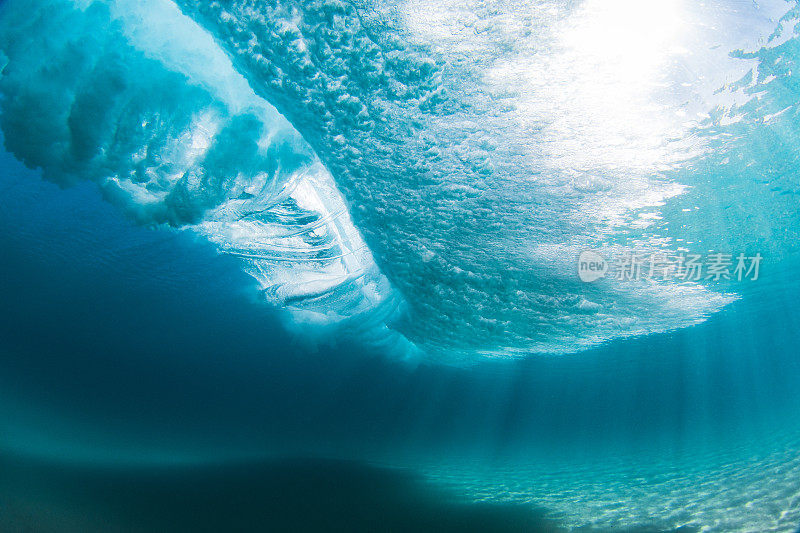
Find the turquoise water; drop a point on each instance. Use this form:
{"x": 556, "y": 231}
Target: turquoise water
{"x": 318, "y": 265}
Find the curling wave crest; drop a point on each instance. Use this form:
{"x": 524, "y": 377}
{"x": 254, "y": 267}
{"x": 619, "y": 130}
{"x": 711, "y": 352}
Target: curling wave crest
{"x": 137, "y": 98}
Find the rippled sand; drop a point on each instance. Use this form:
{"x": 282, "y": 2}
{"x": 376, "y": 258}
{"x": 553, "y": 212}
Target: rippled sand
{"x": 726, "y": 492}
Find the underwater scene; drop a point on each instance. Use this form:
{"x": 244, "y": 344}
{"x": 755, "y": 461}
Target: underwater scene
{"x": 400, "y": 265}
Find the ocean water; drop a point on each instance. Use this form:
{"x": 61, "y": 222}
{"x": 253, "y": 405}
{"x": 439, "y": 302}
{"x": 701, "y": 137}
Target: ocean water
{"x": 399, "y": 266}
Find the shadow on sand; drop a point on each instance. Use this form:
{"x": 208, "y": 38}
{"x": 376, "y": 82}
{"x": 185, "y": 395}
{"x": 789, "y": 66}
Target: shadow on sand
{"x": 283, "y": 495}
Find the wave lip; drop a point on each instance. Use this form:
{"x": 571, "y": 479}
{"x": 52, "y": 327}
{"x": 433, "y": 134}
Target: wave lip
{"x": 139, "y": 99}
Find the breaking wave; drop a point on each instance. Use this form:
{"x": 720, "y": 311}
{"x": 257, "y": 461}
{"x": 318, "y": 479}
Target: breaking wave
{"x": 427, "y": 172}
